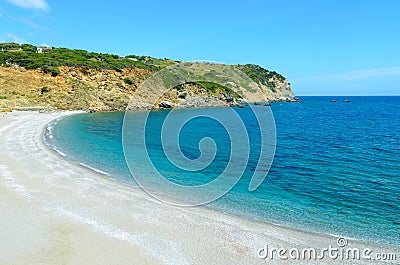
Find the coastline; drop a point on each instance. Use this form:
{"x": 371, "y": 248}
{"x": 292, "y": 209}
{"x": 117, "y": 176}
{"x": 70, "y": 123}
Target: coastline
{"x": 55, "y": 211}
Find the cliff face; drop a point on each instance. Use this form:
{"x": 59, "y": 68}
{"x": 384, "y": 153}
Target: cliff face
{"x": 280, "y": 90}
{"x": 94, "y": 89}
{"x": 64, "y": 78}
{"x": 75, "y": 88}
{"x": 273, "y": 85}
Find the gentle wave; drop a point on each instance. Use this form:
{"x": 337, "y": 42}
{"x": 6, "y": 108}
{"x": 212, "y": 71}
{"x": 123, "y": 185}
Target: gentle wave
{"x": 94, "y": 169}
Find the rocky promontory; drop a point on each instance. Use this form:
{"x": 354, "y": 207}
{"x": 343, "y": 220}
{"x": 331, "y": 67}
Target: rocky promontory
{"x": 60, "y": 78}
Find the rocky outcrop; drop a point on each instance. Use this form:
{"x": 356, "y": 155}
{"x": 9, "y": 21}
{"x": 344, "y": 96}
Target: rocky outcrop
{"x": 191, "y": 95}
{"x": 277, "y": 90}
{"x": 274, "y": 86}
{"x": 165, "y": 104}
{"x": 92, "y": 89}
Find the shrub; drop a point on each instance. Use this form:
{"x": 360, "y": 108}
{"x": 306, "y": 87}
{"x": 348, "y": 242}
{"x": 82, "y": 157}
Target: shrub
{"x": 28, "y": 48}
{"x": 44, "y": 90}
{"x": 128, "y": 81}
{"x": 54, "y": 71}
{"x": 213, "y": 87}
{"x": 9, "y": 46}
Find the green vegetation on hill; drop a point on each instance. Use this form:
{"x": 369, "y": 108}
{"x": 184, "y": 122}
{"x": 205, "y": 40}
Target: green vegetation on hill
{"x": 49, "y": 60}
{"x": 152, "y": 61}
{"x": 260, "y": 75}
{"x": 257, "y": 73}
{"x": 213, "y": 87}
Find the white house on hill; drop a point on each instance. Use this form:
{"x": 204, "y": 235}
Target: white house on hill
{"x": 41, "y": 49}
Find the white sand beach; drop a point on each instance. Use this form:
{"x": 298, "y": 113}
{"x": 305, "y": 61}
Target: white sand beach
{"x": 57, "y": 212}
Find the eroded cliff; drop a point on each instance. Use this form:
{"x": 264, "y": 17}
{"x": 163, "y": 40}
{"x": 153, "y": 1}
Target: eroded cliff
{"x": 98, "y": 82}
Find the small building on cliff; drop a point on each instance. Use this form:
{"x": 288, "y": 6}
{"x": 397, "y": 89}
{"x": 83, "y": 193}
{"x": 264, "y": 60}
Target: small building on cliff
{"x": 41, "y": 49}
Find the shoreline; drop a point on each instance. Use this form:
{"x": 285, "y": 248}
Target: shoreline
{"x": 71, "y": 214}
{"x": 119, "y": 180}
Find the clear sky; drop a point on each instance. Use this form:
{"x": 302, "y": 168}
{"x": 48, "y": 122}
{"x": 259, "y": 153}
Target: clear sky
{"x": 324, "y": 47}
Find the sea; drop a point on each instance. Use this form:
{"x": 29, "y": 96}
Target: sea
{"x": 336, "y": 168}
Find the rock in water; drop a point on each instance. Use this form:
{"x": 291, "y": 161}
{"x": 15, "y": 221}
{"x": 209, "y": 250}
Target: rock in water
{"x": 165, "y": 104}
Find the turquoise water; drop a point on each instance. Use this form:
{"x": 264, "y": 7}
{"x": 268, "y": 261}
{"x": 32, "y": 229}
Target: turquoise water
{"x": 336, "y": 167}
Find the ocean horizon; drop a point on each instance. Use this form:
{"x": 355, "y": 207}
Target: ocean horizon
{"x": 335, "y": 169}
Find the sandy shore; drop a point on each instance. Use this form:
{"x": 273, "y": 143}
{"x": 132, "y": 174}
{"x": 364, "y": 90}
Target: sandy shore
{"x": 56, "y": 212}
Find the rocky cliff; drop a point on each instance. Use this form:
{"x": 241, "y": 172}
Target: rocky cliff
{"x": 97, "y": 88}
{"x": 107, "y": 90}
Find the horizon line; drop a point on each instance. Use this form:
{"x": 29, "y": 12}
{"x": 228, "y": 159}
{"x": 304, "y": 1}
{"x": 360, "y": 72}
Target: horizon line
{"x": 371, "y": 95}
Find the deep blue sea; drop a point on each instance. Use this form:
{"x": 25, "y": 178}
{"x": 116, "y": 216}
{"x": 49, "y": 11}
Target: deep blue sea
{"x": 336, "y": 166}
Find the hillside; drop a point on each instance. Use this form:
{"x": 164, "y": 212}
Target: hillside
{"x": 62, "y": 78}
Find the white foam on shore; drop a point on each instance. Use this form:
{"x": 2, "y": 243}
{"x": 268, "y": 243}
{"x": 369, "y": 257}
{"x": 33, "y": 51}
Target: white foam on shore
{"x": 60, "y": 153}
{"x": 94, "y": 169}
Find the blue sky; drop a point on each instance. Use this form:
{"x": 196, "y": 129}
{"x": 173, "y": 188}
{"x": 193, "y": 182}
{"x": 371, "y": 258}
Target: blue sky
{"x": 324, "y": 47}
